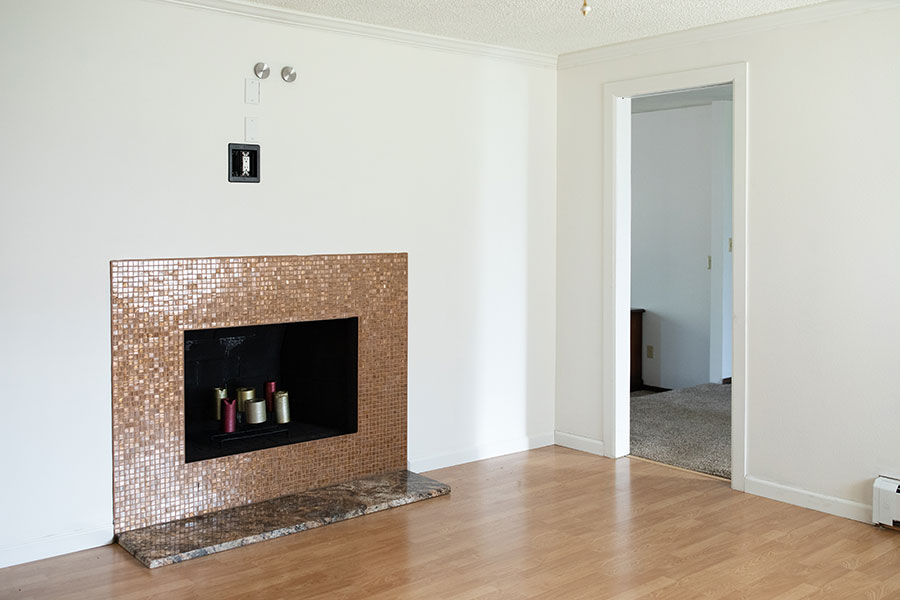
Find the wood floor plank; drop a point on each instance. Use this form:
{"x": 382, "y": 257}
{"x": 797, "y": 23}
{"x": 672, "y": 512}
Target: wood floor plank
{"x": 551, "y": 523}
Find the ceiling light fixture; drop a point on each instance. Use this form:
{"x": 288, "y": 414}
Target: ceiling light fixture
{"x": 585, "y": 8}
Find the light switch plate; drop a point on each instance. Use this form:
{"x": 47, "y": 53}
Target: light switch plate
{"x": 251, "y": 91}
{"x": 251, "y": 129}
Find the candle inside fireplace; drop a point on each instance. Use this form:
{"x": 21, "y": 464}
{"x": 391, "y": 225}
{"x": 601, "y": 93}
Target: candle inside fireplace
{"x": 270, "y": 395}
{"x": 282, "y": 408}
{"x": 229, "y": 415}
{"x": 219, "y": 394}
{"x": 256, "y": 411}
{"x": 244, "y": 395}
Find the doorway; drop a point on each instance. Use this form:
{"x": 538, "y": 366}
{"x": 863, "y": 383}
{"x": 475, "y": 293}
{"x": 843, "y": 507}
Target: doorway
{"x": 681, "y": 279}
{"x": 616, "y": 276}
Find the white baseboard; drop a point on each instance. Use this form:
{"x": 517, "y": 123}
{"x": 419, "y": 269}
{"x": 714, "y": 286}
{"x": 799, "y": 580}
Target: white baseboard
{"x": 54, "y": 545}
{"x": 799, "y": 497}
{"x": 578, "y": 442}
{"x": 489, "y": 450}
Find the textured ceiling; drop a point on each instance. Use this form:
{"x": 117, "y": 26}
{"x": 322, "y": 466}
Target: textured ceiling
{"x": 546, "y": 26}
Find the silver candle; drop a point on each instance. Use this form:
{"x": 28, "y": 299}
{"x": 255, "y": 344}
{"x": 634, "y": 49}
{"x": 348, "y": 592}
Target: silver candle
{"x": 255, "y": 411}
{"x": 219, "y": 394}
{"x": 282, "y": 408}
{"x": 243, "y": 395}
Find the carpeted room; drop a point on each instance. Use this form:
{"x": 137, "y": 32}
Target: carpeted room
{"x": 688, "y": 428}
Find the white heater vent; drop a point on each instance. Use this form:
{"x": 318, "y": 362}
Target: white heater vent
{"x": 886, "y": 501}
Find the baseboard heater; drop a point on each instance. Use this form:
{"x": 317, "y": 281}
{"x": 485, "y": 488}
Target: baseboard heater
{"x": 886, "y": 502}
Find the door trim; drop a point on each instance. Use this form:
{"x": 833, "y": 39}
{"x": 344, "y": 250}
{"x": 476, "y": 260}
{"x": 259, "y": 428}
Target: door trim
{"x": 616, "y": 263}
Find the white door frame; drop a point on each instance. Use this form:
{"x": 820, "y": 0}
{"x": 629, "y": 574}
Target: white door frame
{"x": 616, "y": 267}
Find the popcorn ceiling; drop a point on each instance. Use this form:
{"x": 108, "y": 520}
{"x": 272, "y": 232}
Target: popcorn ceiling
{"x": 545, "y": 26}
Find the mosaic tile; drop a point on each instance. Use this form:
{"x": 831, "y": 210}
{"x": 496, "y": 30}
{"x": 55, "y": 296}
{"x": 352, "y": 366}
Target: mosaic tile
{"x": 154, "y": 301}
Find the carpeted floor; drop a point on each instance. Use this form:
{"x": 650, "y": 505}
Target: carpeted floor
{"x": 688, "y": 428}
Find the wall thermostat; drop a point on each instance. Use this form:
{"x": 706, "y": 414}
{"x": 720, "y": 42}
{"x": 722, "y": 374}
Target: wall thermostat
{"x": 243, "y": 163}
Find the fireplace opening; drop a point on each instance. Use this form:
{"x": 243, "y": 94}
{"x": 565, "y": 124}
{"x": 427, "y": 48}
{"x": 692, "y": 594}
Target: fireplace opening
{"x": 289, "y": 383}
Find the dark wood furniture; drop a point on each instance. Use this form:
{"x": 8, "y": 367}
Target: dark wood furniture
{"x": 637, "y": 344}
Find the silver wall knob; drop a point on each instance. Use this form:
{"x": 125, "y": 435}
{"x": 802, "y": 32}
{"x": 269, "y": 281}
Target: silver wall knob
{"x": 288, "y": 74}
{"x": 261, "y": 70}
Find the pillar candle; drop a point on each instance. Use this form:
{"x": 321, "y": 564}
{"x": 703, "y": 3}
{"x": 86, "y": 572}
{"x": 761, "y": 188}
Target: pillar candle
{"x": 256, "y": 411}
{"x": 270, "y": 395}
{"x": 244, "y": 394}
{"x": 282, "y": 408}
{"x": 229, "y": 415}
{"x": 219, "y": 394}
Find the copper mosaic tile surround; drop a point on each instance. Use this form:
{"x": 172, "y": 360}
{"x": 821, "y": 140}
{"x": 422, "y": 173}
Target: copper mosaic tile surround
{"x": 154, "y": 301}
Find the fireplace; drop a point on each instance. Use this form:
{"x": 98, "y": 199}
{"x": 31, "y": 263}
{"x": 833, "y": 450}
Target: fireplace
{"x": 312, "y": 364}
{"x": 341, "y": 320}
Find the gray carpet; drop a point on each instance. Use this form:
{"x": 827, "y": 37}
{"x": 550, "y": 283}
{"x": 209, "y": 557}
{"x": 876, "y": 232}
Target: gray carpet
{"x": 689, "y": 428}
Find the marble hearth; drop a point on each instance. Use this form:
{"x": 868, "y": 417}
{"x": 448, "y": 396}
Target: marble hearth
{"x": 154, "y": 301}
{"x": 177, "y": 541}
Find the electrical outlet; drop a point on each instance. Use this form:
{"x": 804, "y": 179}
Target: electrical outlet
{"x": 243, "y": 163}
{"x": 649, "y": 351}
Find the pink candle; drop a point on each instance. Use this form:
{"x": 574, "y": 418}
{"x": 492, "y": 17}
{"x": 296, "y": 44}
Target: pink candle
{"x": 270, "y": 394}
{"x": 229, "y": 415}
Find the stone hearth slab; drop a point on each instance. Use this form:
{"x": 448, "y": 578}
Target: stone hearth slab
{"x": 181, "y": 540}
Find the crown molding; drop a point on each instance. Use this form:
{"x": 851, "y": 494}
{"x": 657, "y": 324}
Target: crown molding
{"x": 409, "y": 38}
{"x": 718, "y": 31}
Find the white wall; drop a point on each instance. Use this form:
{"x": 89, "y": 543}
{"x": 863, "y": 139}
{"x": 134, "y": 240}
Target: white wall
{"x": 671, "y": 238}
{"x": 823, "y": 284}
{"x": 721, "y": 211}
{"x": 116, "y": 115}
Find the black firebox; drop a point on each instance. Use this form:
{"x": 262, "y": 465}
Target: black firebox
{"x": 315, "y": 362}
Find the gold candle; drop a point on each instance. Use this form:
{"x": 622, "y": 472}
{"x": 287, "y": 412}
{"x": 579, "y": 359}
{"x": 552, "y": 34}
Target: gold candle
{"x": 243, "y": 395}
{"x": 282, "y": 408}
{"x": 219, "y": 394}
{"x": 256, "y": 411}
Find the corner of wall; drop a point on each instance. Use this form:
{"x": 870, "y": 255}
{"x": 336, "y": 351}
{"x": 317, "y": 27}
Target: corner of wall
{"x": 54, "y": 545}
{"x": 832, "y": 505}
{"x": 579, "y": 442}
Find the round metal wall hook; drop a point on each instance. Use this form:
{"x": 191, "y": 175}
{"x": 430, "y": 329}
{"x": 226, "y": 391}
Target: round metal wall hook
{"x": 288, "y": 74}
{"x": 261, "y": 70}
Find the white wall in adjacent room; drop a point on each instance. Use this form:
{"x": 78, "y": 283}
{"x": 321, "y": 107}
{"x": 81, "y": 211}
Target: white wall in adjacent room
{"x": 116, "y": 115}
{"x": 721, "y": 289}
{"x": 823, "y": 287}
{"x": 680, "y": 216}
{"x": 671, "y": 168}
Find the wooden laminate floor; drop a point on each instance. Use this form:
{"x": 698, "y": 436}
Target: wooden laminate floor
{"x": 550, "y": 523}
